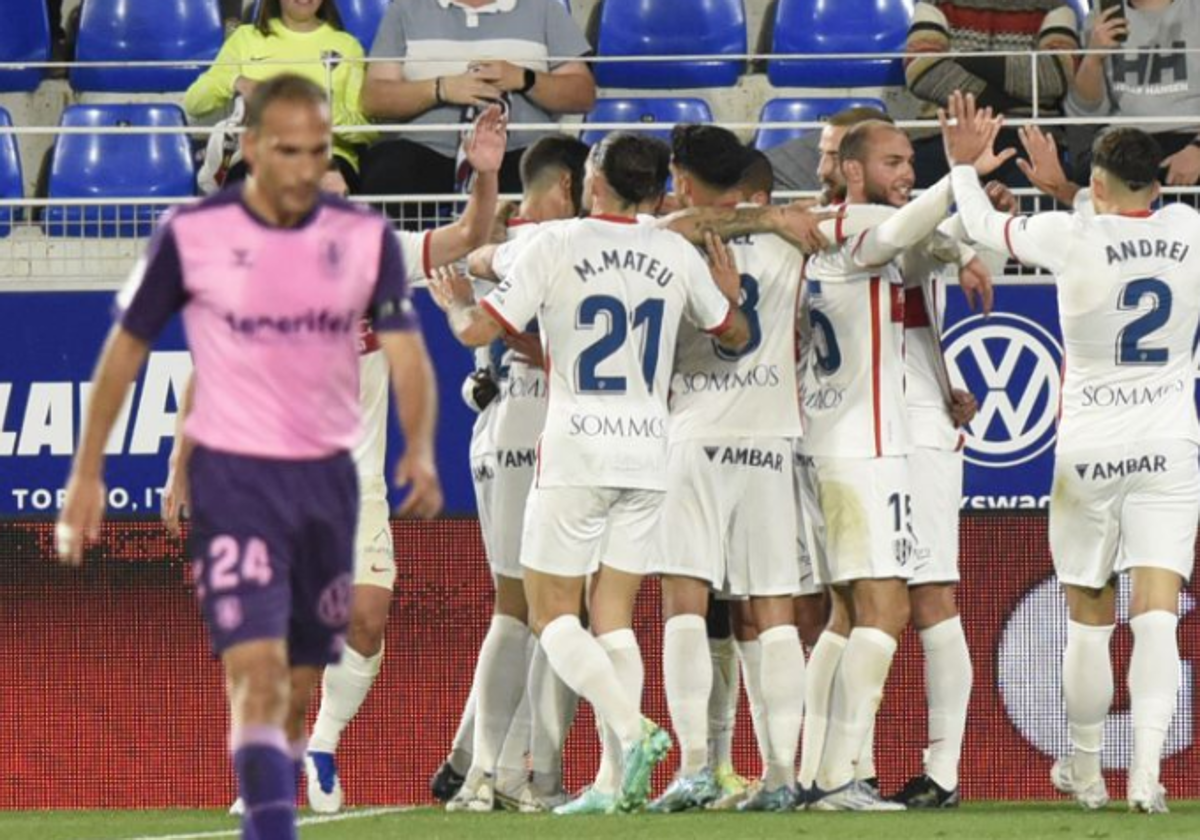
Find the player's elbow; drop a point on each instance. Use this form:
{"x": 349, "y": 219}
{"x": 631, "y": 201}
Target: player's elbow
{"x": 479, "y": 263}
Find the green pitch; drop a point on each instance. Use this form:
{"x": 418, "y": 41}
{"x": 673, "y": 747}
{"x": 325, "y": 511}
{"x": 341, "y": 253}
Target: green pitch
{"x": 974, "y": 821}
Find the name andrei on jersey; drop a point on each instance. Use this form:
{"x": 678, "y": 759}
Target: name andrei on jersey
{"x": 1132, "y": 249}
{"x": 615, "y": 259}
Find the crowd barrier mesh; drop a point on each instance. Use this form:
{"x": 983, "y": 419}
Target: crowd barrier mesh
{"x": 111, "y": 698}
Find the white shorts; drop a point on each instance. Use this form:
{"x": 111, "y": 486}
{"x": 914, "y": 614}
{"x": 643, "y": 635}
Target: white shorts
{"x": 1120, "y": 507}
{"x": 936, "y": 476}
{"x": 861, "y": 518}
{"x": 804, "y": 521}
{"x": 374, "y": 553}
{"x": 730, "y": 515}
{"x": 502, "y": 481}
{"x": 572, "y": 531}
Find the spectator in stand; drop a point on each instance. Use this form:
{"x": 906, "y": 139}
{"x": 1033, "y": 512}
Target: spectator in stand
{"x": 1149, "y": 74}
{"x": 303, "y": 34}
{"x": 1003, "y": 83}
{"x": 462, "y": 55}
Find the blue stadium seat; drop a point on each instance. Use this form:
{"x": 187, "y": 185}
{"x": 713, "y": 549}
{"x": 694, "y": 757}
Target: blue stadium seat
{"x": 649, "y": 111}
{"x": 24, "y": 36}
{"x": 815, "y": 27}
{"x": 360, "y": 18}
{"x": 12, "y": 185}
{"x": 145, "y": 30}
{"x": 802, "y": 110}
{"x": 122, "y": 165}
{"x": 666, "y": 28}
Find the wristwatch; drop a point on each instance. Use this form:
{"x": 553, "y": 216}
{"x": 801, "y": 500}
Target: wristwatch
{"x": 530, "y": 81}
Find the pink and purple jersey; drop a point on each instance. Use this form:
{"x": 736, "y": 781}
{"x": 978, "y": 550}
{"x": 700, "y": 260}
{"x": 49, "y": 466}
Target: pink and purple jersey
{"x": 272, "y": 318}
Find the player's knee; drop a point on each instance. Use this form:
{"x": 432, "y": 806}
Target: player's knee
{"x": 510, "y": 599}
{"x": 932, "y": 604}
{"x": 884, "y": 608}
{"x": 260, "y": 695}
{"x": 365, "y": 634}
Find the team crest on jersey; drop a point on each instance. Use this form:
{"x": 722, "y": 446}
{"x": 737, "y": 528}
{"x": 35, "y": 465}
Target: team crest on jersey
{"x": 1012, "y": 364}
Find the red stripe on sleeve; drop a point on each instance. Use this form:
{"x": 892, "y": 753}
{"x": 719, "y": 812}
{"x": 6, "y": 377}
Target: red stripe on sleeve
{"x": 427, "y": 253}
{"x": 876, "y": 363}
{"x": 495, "y": 313}
{"x": 1008, "y": 237}
{"x": 724, "y": 325}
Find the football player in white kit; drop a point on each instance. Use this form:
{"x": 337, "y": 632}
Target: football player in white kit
{"x": 609, "y": 295}
{"x": 730, "y": 497}
{"x": 345, "y": 686}
{"x": 1126, "y": 490}
{"x": 857, "y": 496}
{"x": 503, "y": 445}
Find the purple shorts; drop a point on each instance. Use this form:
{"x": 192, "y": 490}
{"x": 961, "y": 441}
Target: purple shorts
{"x": 272, "y": 547}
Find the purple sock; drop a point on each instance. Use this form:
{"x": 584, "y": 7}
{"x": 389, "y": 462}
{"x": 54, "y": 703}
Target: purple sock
{"x": 267, "y": 782}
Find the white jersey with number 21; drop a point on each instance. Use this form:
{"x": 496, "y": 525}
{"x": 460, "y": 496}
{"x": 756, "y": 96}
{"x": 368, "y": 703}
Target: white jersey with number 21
{"x": 609, "y": 295}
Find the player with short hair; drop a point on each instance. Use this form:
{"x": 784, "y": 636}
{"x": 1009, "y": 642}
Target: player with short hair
{"x": 345, "y": 685}
{"x": 503, "y": 445}
{"x": 1126, "y": 484}
{"x": 273, "y": 485}
{"x": 857, "y": 437}
{"x": 734, "y": 416}
{"x": 609, "y": 295}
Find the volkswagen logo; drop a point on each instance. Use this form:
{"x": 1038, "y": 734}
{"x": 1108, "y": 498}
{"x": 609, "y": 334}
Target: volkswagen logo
{"x": 1012, "y": 364}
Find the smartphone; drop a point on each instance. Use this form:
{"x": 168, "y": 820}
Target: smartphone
{"x": 1105, "y": 5}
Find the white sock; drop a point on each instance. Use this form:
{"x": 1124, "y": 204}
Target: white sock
{"x": 751, "y": 655}
{"x": 511, "y": 768}
{"x": 782, "y": 676}
{"x": 864, "y": 765}
{"x": 501, "y": 676}
{"x": 857, "y": 690}
{"x": 1088, "y": 688}
{"x": 818, "y": 695}
{"x": 723, "y": 700}
{"x": 1153, "y": 686}
{"x": 948, "y": 680}
{"x": 688, "y": 679}
{"x": 582, "y": 663}
{"x": 552, "y": 710}
{"x": 622, "y": 648}
{"x": 344, "y": 686}
{"x": 464, "y": 736}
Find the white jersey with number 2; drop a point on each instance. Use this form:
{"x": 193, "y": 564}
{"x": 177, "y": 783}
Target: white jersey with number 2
{"x": 609, "y": 295}
{"x": 1129, "y": 303}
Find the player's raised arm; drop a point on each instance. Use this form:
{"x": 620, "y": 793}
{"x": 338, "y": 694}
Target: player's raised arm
{"x": 485, "y": 152}
{"x": 1037, "y": 241}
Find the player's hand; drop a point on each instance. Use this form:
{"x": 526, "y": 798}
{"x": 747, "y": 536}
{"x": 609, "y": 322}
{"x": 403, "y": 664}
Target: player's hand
{"x": 418, "y": 472}
{"x": 1043, "y": 167}
{"x": 724, "y": 270}
{"x": 450, "y": 289}
{"x": 79, "y": 522}
{"x": 801, "y": 226}
{"x": 1002, "y": 198}
{"x": 969, "y": 134}
{"x": 503, "y": 74}
{"x": 1106, "y": 30}
{"x": 469, "y": 89}
{"x": 528, "y": 348}
{"x": 963, "y": 407}
{"x": 976, "y": 283}
{"x": 487, "y": 140}
{"x": 244, "y": 87}
{"x": 176, "y": 498}
{"x": 1183, "y": 167}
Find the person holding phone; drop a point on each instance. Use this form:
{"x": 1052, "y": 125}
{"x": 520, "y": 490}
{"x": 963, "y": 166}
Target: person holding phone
{"x": 1148, "y": 73}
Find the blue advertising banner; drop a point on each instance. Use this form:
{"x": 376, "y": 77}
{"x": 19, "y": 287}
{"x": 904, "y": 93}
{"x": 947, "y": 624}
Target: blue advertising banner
{"x": 50, "y": 343}
{"x": 1011, "y": 361}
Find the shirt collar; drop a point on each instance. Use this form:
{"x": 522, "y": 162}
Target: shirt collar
{"x": 495, "y": 7}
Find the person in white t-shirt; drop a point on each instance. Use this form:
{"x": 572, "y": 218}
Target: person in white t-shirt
{"x": 609, "y": 295}
{"x": 1126, "y": 493}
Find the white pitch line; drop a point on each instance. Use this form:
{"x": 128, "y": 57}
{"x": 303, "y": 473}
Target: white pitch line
{"x": 302, "y": 822}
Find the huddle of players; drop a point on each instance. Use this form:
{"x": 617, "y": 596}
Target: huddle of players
{"x": 875, "y": 409}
